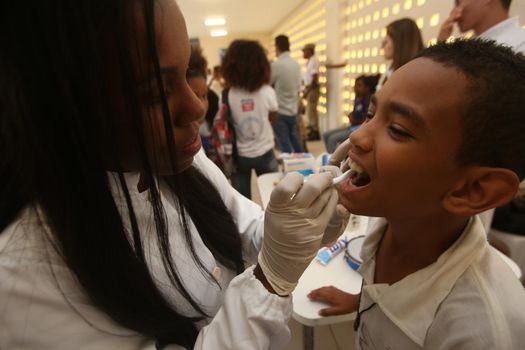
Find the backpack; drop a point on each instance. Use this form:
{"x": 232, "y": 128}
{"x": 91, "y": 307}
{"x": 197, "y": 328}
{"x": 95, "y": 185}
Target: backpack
{"x": 222, "y": 148}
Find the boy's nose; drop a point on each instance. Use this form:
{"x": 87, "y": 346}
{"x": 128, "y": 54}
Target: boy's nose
{"x": 361, "y": 139}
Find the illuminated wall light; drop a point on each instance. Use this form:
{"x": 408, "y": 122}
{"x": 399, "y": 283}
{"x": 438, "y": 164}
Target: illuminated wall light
{"x": 354, "y": 8}
{"x": 323, "y": 90}
{"x": 367, "y": 52}
{"x": 374, "y": 68}
{"x": 420, "y": 2}
{"x": 354, "y": 23}
{"x": 360, "y": 54}
{"x": 322, "y": 80}
{"x": 346, "y": 82}
{"x": 346, "y": 106}
{"x": 366, "y": 68}
{"x": 360, "y": 38}
{"x": 368, "y": 2}
{"x": 432, "y": 41}
{"x": 376, "y": 16}
{"x": 367, "y": 36}
{"x": 361, "y": 4}
{"x": 382, "y": 68}
{"x": 347, "y": 40}
{"x": 359, "y": 68}
{"x": 374, "y": 52}
{"x": 322, "y": 100}
{"x": 322, "y": 58}
{"x": 375, "y": 34}
{"x": 344, "y": 119}
{"x": 352, "y": 82}
{"x": 353, "y": 54}
{"x": 347, "y": 55}
{"x": 322, "y": 69}
{"x": 383, "y": 32}
{"x": 354, "y": 39}
{"x": 368, "y": 19}
{"x": 348, "y": 10}
{"x": 360, "y": 21}
{"x": 219, "y": 21}
{"x": 353, "y": 68}
{"x": 352, "y": 96}
{"x": 434, "y": 20}
{"x": 219, "y": 32}
{"x": 420, "y": 22}
{"x": 350, "y": 109}
{"x": 407, "y": 5}
{"x": 347, "y": 69}
{"x": 348, "y": 26}
{"x": 395, "y": 9}
{"x": 386, "y": 12}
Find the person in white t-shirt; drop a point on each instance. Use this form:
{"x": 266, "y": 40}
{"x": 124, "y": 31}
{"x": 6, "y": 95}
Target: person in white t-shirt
{"x": 253, "y": 105}
{"x": 428, "y": 161}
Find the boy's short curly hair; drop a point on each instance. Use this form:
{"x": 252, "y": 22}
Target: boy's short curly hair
{"x": 245, "y": 65}
{"x": 493, "y": 124}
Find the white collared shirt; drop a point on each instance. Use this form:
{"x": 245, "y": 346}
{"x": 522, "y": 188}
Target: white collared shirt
{"x": 507, "y": 33}
{"x": 468, "y": 299}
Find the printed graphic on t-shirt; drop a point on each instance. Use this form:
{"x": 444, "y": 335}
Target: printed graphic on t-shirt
{"x": 247, "y": 105}
{"x": 251, "y": 127}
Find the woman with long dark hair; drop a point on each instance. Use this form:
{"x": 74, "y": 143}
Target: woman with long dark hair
{"x": 116, "y": 231}
{"x": 403, "y": 41}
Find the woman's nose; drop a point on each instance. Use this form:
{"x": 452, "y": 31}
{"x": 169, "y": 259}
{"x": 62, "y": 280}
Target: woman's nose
{"x": 192, "y": 108}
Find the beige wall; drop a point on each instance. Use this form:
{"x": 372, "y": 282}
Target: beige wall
{"x": 211, "y": 46}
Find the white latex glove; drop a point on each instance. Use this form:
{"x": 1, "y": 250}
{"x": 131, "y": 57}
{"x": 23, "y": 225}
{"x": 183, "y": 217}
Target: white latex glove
{"x": 339, "y": 218}
{"x": 295, "y": 219}
{"x": 338, "y": 158}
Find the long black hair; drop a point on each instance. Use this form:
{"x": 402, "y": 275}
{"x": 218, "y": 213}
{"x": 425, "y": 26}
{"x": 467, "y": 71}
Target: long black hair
{"x": 57, "y": 135}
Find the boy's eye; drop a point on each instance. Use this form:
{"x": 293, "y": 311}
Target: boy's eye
{"x": 398, "y": 133}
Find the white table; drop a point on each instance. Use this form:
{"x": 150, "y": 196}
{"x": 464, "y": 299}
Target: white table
{"x": 337, "y": 273}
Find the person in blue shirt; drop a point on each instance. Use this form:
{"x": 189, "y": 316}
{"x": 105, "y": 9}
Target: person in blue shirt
{"x": 364, "y": 87}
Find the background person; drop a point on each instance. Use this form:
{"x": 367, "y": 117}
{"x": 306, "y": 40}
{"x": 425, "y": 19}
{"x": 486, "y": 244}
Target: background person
{"x": 116, "y": 231}
{"x": 286, "y": 80}
{"x": 403, "y": 42}
{"x": 488, "y": 19}
{"x": 253, "y": 106}
{"x": 364, "y": 87}
{"x": 311, "y": 90}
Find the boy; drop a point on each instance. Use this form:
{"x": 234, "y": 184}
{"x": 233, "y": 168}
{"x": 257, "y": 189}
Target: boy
{"x": 444, "y": 142}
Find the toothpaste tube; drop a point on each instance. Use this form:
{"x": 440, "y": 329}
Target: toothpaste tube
{"x": 325, "y": 255}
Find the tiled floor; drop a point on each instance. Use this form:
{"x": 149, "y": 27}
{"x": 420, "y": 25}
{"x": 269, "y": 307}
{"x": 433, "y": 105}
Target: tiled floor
{"x": 335, "y": 337}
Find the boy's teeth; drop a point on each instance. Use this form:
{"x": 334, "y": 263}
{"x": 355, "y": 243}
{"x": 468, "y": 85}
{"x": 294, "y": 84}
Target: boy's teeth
{"x": 356, "y": 167}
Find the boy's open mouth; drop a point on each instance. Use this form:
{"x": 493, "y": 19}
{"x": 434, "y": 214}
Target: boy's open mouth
{"x": 358, "y": 177}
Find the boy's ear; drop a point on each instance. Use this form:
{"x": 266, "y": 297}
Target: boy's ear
{"x": 481, "y": 188}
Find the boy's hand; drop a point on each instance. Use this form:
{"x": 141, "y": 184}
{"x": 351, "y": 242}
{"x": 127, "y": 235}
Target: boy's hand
{"x": 446, "y": 28}
{"x": 341, "y": 302}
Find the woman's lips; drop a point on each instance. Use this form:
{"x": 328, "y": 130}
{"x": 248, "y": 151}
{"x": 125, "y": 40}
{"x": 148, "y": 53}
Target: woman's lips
{"x": 193, "y": 147}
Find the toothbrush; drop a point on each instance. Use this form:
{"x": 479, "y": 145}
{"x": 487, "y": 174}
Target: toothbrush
{"x": 342, "y": 177}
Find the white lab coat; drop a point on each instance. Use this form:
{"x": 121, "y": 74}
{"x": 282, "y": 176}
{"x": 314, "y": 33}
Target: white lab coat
{"x": 43, "y": 307}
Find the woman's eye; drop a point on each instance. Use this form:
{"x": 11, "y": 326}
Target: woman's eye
{"x": 369, "y": 115}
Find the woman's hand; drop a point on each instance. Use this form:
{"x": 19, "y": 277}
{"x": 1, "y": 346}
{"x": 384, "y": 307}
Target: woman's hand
{"x": 340, "y": 302}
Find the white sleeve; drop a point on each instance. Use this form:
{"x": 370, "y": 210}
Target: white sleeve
{"x": 248, "y": 215}
{"x": 250, "y": 318}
